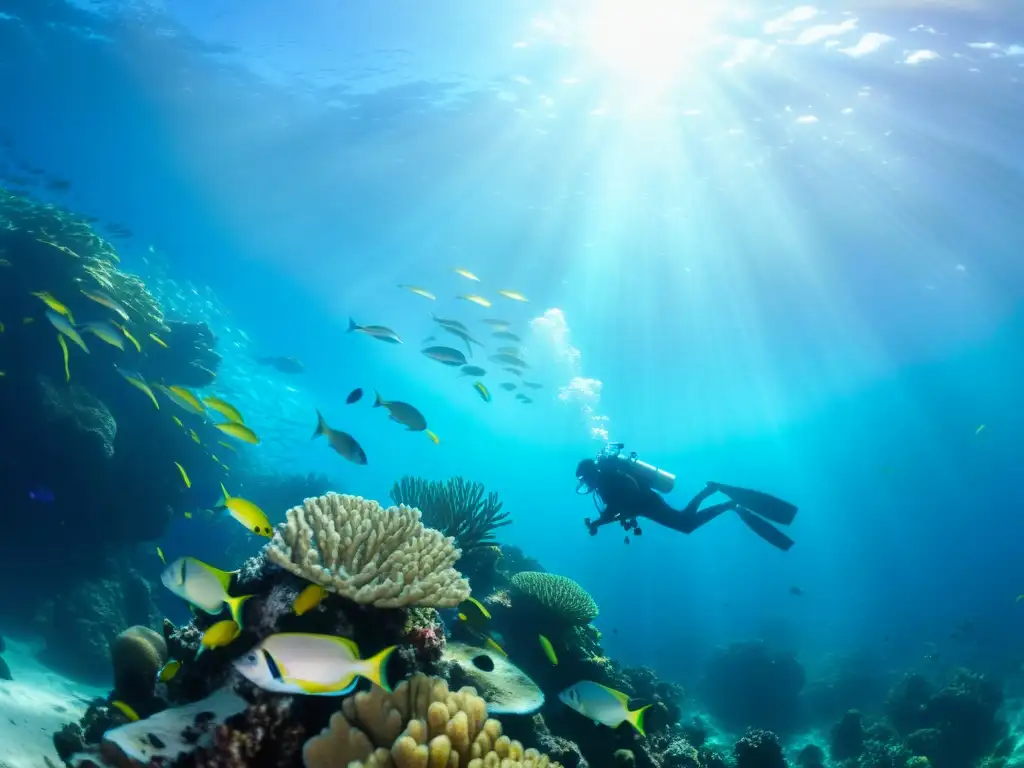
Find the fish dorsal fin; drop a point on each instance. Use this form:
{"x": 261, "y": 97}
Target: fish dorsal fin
{"x": 623, "y": 698}
{"x": 348, "y": 644}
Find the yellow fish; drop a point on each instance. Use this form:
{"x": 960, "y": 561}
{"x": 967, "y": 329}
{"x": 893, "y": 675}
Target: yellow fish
{"x": 168, "y": 671}
{"x": 188, "y": 515}
{"x": 106, "y": 301}
{"x": 220, "y": 634}
{"x": 178, "y": 421}
{"x": 184, "y": 399}
{"x": 229, "y": 446}
{"x": 979, "y": 429}
{"x": 195, "y": 437}
{"x": 491, "y": 643}
{"x": 158, "y": 340}
{"x": 514, "y": 295}
{"x": 309, "y": 598}
{"x": 52, "y": 303}
{"x": 473, "y": 612}
{"x": 475, "y": 299}
{"x": 63, "y": 326}
{"x": 482, "y": 391}
{"x": 184, "y": 475}
{"x": 139, "y": 383}
{"x": 105, "y": 332}
{"x": 549, "y": 650}
{"x": 128, "y": 336}
{"x": 238, "y": 431}
{"x": 248, "y": 514}
{"x": 64, "y": 349}
{"x": 125, "y": 710}
{"x": 466, "y": 274}
{"x": 225, "y": 409}
{"x": 419, "y": 291}
{"x": 433, "y": 438}
{"x": 160, "y": 554}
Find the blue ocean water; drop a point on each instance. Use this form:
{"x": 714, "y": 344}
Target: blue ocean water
{"x": 771, "y": 246}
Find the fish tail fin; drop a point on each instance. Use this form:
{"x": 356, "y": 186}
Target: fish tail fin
{"x": 378, "y": 401}
{"x": 319, "y": 425}
{"x": 375, "y": 668}
{"x": 636, "y": 718}
{"x": 235, "y": 606}
{"x": 352, "y": 326}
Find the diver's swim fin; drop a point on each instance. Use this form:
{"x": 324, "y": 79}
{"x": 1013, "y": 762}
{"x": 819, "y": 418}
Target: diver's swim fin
{"x": 766, "y": 531}
{"x": 760, "y": 503}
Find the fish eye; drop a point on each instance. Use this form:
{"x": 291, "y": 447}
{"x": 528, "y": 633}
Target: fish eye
{"x": 251, "y": 658}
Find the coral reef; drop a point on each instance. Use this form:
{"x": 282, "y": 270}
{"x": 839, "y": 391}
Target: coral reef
{"x": 371, "y": 555}
{"x": 457, "y": 508}
{"x": 847, "y": 736}
{"x": 556, "y": 599}
{"x": 759, "y": 749}
{"x": 76, "y": 410}
{"x": 137, "y": 654}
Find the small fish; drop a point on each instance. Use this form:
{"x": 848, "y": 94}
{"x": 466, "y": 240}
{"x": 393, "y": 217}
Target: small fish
{"x": 503, "y": 359}
{"x": 178, "y": 422}
{"x": 603, "y": 705}
{"x": 229, "y": 446}
{"x": 316, "y": 665}
{"x": 474, "y": 613}
{"x": 445, "y": 355}
{"x": 184, "y": 399}
{"x": 105, "y": 332}
{"x": 433, "y": 437}
{"x": 125, "y": 710}
{"x": 379, "y": 332}
{"x": 449, "y": 324}
{"x": 796, "y": 591}
{"x": 188, "y": 515}
{"x": 239, "y": 432}
{"x": 203, "y": 587}
{"x": 139, "y": 383}
{"x": 476, "y": 299}
{"x": 405, "y": 414}
{"x": 466, "y": 274}
{"x": 514, "y": 295}
{"x": 514, "y": 351}
{"x": 506, "y": 336}
{"x": 248, "y": 514}
{"x": 532, "y": 385}
{"x": 101, "y": 298}
{"x": 283, "y": 364}
{"x": 549, "y": 650}
{"x": 979, "y": 430}
{"x": 27, "y": 320}
{"x": 428, "y": 339}
{"x": 508, "y": 386}
{"x": 184, "y": 475}
{"x": 224, "y": 408}
{"x": 354, "y": 396}
{"x": 168, "y": 671}
{"x": 220, "y": 634}
{"x": 513, "y": 371}
{"x": 64, "y": 327}
{"x": 48, "y": 299}
{"x": 42, "y": 495}
{"x": 472, "y": 370}
{"x": 158, "y": 340}
{"x": 128, "y": 335}
{"x": 491, "y": 643}
{"x": 308, "y": 599}
{"x": 1019, "y": 598}
{"x": 523, "y": 398}
{"x": 64, "y": 350}
{"x": 482, "y": 391}
{"x": 419, "y": 291}
{"x": 342, "y": 442}
{"x": 160, "y": 554}
{"x": 496, "y": 323}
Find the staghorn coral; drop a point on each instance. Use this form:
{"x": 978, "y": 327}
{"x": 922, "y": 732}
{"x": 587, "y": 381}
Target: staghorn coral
{"x": 371, "y": 555}
{"x": 559, "y": 598}
{"x": 421, "y": 724}
{"x": 457, "y": 508}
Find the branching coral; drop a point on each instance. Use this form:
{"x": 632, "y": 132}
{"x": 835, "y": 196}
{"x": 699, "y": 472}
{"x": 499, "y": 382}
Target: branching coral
{"x": 371, "y": 555}
{"x": 457, "y": 508}
{"x": 559, "y": 597}
{"x": 421, "y": 725}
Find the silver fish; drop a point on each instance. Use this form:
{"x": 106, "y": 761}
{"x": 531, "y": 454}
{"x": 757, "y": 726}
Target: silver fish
{"x": 472, "y": 370}
{"x": 342, "y": 442}
{"x": 508, "y": 386}
{"x": 445, "y": 355}
{"x": 503, "y": 359}
{"x": 376, "y": 331}
{"x": 506, "y": 335}
{"x": 510, "y": 351}
{"x": 403, "y": 413}
{"x": 448, "y": 324}
{"x": 532, "y": 385}
{"x": 495, "y": 322}
{"x": 514, "y": 371}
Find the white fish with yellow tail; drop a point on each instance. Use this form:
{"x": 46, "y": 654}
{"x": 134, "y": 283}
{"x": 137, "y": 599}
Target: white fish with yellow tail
{"x": 203, "y": 586}
{"x": 105, "y": 332}
{"x": 101, "y": 298}
{"x": 64, "y": 327}
{"x": 514, "y": 295}
{"x": 419, "y": 291}
{"x": 184, "y": 399}
{"x": 603, "y": 705}
{"x": 316, "y": 665}
{"x": 224, "y": 408}
{"x": 58, "y": 307}
{"x": 128, "y": 335}
{"x": 475, "y": 299}
{"x": 239, "y": 432}
{"x": 139, "y": 383}
{"x": 247, "y": 513}
{"x": 466, "y": 274}
{"x": 342, "y": 442}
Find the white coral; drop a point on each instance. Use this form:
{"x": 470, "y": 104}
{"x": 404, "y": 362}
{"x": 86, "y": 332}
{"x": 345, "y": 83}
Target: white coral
{"x": 371, "y": 555}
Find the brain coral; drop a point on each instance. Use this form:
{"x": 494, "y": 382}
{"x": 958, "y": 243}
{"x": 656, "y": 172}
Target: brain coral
{"x": 559, "y": 597}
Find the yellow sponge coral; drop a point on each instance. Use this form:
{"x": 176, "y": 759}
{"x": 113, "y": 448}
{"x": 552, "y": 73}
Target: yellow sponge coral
{"x": 421, "y": 725}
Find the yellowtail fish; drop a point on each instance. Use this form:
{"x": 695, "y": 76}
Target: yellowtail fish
{"x": 466, "y": 274}
{"x": 168, "y": 671}
{"x": 105, "y": 332}
{"x": 979, "y": 430}
{"x": 188, "y": 515}
{"x": 248, "y": 514}
{"x": 482, "y": 391}
{"x": 195, "y": 437}
{"x": 220, "y": 634}
{"x": 158, "y": 340}
{"x": 139, "y": 383}
{"x": 229, "y": 446}
{"x": 491, "y": 643}
{"x": 64, "y": 349}
{"x": 603, "y": 705}
{"x": 48, "y": 299}
{"x": 239, "y": 432}
{"x": 128, "y": 335}
{"x": 549, "y": 650}
{"x": 101, "y": 298}
{"x": 379, "y": 332}
{"x": 342, "y": 442}
{"x": 419, "y": 291}
{"x": 433, "y": 437}
{"x": 474, "y": 613}
{"x": 203, "y": 587}
{"x": 184, "y": 475}
{"x": 514, "y": 295}
{"x": 316, "y": 665}
{"x": 178, "y": 421}
{"x": 184, "y": 399}
{"x": 63, "y": 326}
{"x": 160, "y": 554}
{"x": 405, "y": 414}
{"x": 225, "y": 409}
{"x": 125, "y": 710}
{"x": 308, "y": 599}
{"x": 476, "y": 299}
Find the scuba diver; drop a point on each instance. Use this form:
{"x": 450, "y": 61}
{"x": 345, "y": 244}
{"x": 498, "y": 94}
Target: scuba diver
{"x": 631, "y": 488}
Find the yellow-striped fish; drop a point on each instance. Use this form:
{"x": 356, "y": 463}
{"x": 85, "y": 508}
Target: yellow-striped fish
{"x": 160, "y": 554}
{"x": 229, "y": 446}
{"x": 125, "y": 710}
{"x": 433, "y": 438}
{"x": 419, "y": 291}
{"x": 248, "y": 514}
{"x": 64, "y": 349}
{"x": 549, "y": 650}
{"x": 475, "y": 299}
{"x": 514, "y": 295}
{"x": 195, "y": 437}
{"x": 63, "y": 326}
{"x": 184, "y": 475}
{"x": 239, "y": 432}
{"x": 105, "y": 332}
{"x": 101, "y": 298}
{"x": 184, "y": 399}
{"x": 178, "y": 421}
{"x": 466, "y": 274}
{"x": 482, "y": 391}
{"x": 48, "y": 299}
{"x": 158, "y": 340}
{"x": 139, "y": 383}
{"x": 128, "y": 336}
{"x": 224, "y": 408}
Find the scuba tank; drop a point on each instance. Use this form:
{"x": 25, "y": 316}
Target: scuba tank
{"x": 647, "y": 475}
